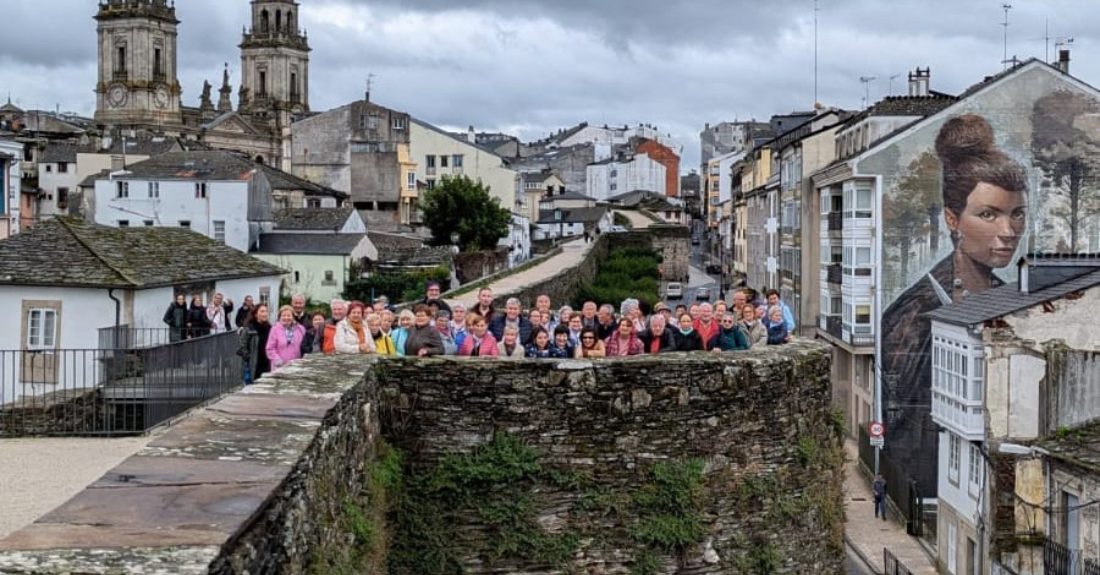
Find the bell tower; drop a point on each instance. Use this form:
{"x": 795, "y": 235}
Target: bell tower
{"x": 138, "y": 84}
{"x": 275, "y": 62}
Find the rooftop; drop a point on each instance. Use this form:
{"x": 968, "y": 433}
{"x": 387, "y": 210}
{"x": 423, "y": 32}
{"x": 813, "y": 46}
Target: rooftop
{"x": 312, "y": 219}
{"x": 1050, "y": 277}
{"x": 310, "y": 244}
{"x": 207, "y": 165}
{"x": 1079, "y": 446}
{"x": 101, "y": 256}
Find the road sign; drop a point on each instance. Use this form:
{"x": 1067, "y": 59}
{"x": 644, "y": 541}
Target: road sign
{"x": 877, "y": 442}
{"x": 876, "y": 429}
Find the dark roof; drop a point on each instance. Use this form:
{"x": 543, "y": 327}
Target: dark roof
{"x": 281, "y": 180}
{"x": 56, "y": 153}
{"x": 573, "y": 215}
{"x": 39, "y": 121}
{"x": 1003, "y": 300}
{"x": 387, "y": 242}
{"x": 66, "y": 251}
{"x": 142, "y": 146}
{"x": 538, "y": 177}
{"x": 206, "y": 165}
{"x": 314, "y": 219}
{"x": 1079, "y": 445}
{"x": 568, "y": 195}
{"x": 309, "y": 244}
{"x": 911, "y": 105}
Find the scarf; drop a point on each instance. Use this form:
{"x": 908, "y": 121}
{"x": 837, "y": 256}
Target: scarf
{"x": 359, "y": 331}
{"x": 687, "y": 331}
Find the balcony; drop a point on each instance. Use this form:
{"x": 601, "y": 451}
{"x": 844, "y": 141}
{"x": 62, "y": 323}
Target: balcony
{"x": 856, "y": 338}
{"x": 833, "y": 275}
{"x": 962, "y": 416}
{"x": 831, "y": 325}
{"x": 1058, "y": 560}
{"x": 836, "y": 221}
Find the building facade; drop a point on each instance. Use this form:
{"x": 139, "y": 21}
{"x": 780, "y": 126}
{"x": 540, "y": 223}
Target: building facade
{"x": 11, "y": 153}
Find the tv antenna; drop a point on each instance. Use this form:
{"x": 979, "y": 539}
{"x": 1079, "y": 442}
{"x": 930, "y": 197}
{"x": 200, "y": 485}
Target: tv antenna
{"x": 866, "y": 81}
{"x": 817, "y": 9}
{"x": 370, "y": 84}
{"x": 892, "y": 78}
{"x": 1005, "y": 60}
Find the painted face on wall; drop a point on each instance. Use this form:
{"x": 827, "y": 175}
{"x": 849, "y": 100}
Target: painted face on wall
{"x": 990, "y": 226}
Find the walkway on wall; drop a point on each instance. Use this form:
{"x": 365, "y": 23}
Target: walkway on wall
{"x": 868, "y": 535}
{"x": 572, "y": 253}
{"x": 637, "y": 220}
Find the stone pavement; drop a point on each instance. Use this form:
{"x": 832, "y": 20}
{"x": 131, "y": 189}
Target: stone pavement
{"x": 572, "y": 253}
{"x": 39, "y": 474}
{"x": 867, "y": 534}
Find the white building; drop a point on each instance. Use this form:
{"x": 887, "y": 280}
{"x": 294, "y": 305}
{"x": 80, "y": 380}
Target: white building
{"x": 619, "y": 175}
{"x": 11, "y": 153}
{"x": 221, "y": 195}
{"x": 129, "y": 274}
{"x": 608, "y": 137}
{"x": 1016, "y": 364}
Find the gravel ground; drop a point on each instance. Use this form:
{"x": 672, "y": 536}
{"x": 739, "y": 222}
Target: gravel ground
{"x": 38, "y": 474}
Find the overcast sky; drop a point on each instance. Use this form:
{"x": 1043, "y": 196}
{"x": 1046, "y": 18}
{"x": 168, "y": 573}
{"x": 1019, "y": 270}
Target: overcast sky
{"x": 529, "y": 67}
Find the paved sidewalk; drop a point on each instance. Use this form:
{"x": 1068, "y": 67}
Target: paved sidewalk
{"x": 39, "y": 474}
{"x": 572, "y": 252}
{"x": 867, "y": 534}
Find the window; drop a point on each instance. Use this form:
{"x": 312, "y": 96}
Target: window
{"x": 297, "y": 277}
{"x": 313, "y": 203}
{"x": 456, "y": 161}
{"x": 265, "y": 295}
{"x": 411, "y": 183}
{"x": 62, "y": 198}
{"x": 122, "y": 189}
{"x": 953, "y": 447}
{"x": 120, "y": 60}
{"x": 219, "y": 231}
{"x": 262, "y": 84}
{"x": 372, "y": 122}
{"x": 154, "y": 189}
{"x": 431, "y": 184}
{"x": 363, "y": 121}
{"x": 330, "y": 278}
{"x": 49, "y": 168}
{"x": 200, "y": 190}
{"x": 148, "y": 223}
{"x": 124, "y": 223}
{"x": 442, "y": 161}
{"x": 41, "y": 328}
{"x": 974, "y": 468}
{"x": 62, "y": 167}
{"x": 399, "y": 123}
{"x": 158, "y": 63}
{"x": 952, "y": 547}
{"x": 863, "y": 314}
{"x": 185, "y": 224}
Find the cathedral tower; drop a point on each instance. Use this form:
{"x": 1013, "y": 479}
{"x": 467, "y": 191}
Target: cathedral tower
{"x": 138, "y": 85}
{"x": 275, "y": 62}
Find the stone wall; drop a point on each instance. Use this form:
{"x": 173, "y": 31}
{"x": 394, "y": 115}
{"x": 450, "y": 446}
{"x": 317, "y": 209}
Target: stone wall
{"x": 759, "y": 425}
{"x": 67, "y": 412}
{"x": 700, "y": 463}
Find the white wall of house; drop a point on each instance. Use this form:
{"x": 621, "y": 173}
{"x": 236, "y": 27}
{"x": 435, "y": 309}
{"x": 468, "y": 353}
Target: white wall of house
{"x": 725, "y": 182}
{"x": 57, "y": 181}
{"x": 614, "y": 178}
{"x": 477, "y": 163}
{"x": 167, "y": 203}
{"x": 308, "y": 273}
{"x": 81, "y": 312}
{"x": 9, "y": 189}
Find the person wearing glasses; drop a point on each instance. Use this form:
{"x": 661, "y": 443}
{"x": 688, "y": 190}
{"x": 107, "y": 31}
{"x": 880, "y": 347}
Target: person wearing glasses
{"x": 729, "y": 336}
{"x": 590, "y": 346}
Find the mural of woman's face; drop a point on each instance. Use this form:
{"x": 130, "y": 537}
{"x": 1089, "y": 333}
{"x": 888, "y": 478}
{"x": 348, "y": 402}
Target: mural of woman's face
{"x": 990, "y": 226}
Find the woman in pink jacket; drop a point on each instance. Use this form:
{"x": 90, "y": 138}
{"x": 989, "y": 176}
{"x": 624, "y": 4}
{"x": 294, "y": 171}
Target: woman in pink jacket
{"x": 479, "y": 342}
{"x": 284, "y": 343}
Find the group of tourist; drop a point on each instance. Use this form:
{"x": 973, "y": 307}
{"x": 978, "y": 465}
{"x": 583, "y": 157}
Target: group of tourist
{"x": 432, "y": 327}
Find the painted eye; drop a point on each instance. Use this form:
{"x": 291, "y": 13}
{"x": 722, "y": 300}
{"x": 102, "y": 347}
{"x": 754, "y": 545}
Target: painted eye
{"x": 987, "y": 215}
{"x": 1019, "y": 214}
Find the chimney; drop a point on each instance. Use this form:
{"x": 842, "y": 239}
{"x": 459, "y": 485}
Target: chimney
{"x": 1063, "y": 61}
{"x": 471, "y": 135}
{"x": 919, "y": 82}
{"x": 1024, "y": 273}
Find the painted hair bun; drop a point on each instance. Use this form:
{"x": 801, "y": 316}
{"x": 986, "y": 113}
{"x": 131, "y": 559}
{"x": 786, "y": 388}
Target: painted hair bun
{"x": 964, "y": 136}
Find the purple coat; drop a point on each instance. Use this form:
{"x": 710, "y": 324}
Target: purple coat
{"x": 281, "y": 350}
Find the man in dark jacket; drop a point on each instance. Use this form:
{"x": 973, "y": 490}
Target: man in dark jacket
{"x": 242, "y": 313}
{"x": 431, "y": 297}
{"x": 176, "y": 318}
{"x": 658, "y": 338}
{"x": 510, "y": 316}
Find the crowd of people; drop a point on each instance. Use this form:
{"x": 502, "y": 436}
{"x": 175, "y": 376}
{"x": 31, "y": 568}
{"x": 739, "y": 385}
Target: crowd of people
{"x": 432, "y": 327}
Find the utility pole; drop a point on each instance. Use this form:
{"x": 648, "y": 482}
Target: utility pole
{"x": 1006, "y": 8}
{"x": 892, "y": 78}
{"x": 816, "y": 10}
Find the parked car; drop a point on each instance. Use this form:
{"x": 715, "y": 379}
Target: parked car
{"x": 702, "y": 294}
{"x": 714, "y": 269}
{"x": 694, "y": 241}
{"x": 618, "y": 229}
{"x": 674, "y": 290}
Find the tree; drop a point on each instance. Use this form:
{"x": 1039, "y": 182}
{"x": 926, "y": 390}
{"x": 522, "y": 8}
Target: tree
{"x": 1066, "y": 148}
{"x": 911, "y": 214}
{"x": 458, "y": 205}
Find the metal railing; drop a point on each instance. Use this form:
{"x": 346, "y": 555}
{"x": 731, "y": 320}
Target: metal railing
{"x": 1060, "y": 560}
{"x": 900, "y": 488}
{"x": 833, "y": 275}
{"x": 892, "y": 565}
{"x": 835, "y": 221}
{"x": 126, "y": 337}
{"x": 125, "y": 391}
